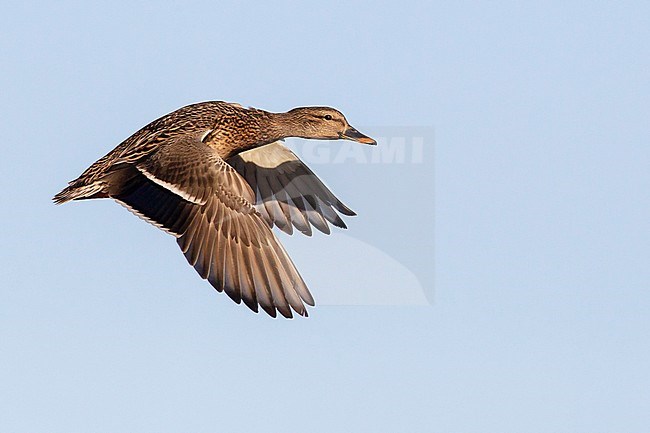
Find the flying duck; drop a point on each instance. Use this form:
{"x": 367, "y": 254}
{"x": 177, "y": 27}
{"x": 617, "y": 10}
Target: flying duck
{"x": 216, "y": 176}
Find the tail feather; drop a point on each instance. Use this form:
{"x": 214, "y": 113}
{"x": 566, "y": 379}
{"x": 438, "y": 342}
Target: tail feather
{"x": 109, "y": 184}
{"x": 78, "y": 192}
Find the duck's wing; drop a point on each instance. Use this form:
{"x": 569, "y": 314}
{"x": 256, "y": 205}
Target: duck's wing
{"x": 184, "y": 187}
{"x": 287, "y": 193}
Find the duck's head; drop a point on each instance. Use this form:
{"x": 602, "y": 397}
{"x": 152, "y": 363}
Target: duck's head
{"x": 324, "y": 123}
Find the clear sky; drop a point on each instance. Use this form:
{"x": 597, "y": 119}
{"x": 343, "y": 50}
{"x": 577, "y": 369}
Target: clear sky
{"x": 503, "y": 223}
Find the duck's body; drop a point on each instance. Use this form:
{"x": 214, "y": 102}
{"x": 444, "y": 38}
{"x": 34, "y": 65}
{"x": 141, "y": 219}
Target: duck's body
{"x": 215, "y": 176}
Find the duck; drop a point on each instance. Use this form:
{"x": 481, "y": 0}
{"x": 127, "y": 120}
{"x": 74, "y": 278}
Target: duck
{"x": 218, "y": 177}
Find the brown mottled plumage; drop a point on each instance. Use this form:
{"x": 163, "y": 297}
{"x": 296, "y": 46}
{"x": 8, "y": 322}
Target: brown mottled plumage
{"x": 215, "y": 175}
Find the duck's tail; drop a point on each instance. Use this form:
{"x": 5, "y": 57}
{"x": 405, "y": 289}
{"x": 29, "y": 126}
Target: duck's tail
{"x": 78, "y": 191}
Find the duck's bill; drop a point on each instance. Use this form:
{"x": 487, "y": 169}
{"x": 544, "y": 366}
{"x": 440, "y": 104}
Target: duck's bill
{"x": 354, "y": 135}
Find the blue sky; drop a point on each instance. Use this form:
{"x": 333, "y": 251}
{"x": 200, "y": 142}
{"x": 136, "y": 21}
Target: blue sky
{"x": 495, "y": 281}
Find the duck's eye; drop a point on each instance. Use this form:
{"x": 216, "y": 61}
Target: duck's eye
{"x": 327, "y": 117}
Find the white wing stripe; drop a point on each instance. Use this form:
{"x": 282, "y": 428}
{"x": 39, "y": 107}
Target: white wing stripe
{"x": 171, "y": 187}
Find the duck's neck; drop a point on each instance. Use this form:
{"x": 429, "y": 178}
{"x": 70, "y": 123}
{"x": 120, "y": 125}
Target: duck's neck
{"x": 282, "y": 125}
{"x": 263, "y": 128}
